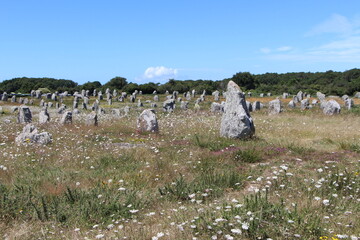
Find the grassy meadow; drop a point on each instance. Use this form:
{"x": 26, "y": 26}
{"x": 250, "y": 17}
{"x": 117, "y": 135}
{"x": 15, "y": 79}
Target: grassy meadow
{"x": 298, "y": 178}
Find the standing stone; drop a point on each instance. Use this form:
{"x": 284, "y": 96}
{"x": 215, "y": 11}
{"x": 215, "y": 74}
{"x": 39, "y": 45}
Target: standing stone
{"x": 4, "y": 97}
{"x": 154, "y": 92}
{"x": 42, "y": 103}
{"x": 344, "y": 97}
{"x": 132, "y": 98}
{"x": 24, "y": 115}
{"x": 320, "y": 96}
{"x": 169, "y": 105}
{"x": 54, "y": 97}
{"x": 295, "y": 99}
{"x": 66, "y": 118}
{"x": 50, "y": 104}
{"x": 57, "y": 105}
{"x": 314, "y": 102}
{"x": 257, "y": 106}
{"x": 285, "y": 95}
{"x": 193, "y": 92}
{"x": 216, "y": 95}
{"x": 140, "y": 104}
{"x": 332, "y": 107}
{"x": 188, "y": 96}
{"x": 86, "y": 100}
{"x": 269, "y": 94}
{"x": 184, "y": 105}
{"x": 147, "y": 121}
{"x": 236, "y": 121}
{"x": 349, "y": 103}
{"x": 156, "y": 98}
{"x": 26, "y": 101}
{"x": 300, "y": 95}
{"x": 75, "y": 105}
{"x": 87, "y": 93}
{"x": 92, "y": 119}
{"x": 95, "y": 106}
{"x": 304, "y": 104}
{"x": 94, "y": 93}
{"x": 38, "y": 94}
{"x": 357, "y": 95}
{"x": 249, "y": 106}
{"x": 275, "y": 107}
{"x": 44, "y": 116}
{"x": 216, "y": 107}
{"x": 109, "y": 101}
{"x": 249, "y": 94}
{"x": 292, "y": 104}
{"x": 261, "y": 95}
{"x": 13, "y": 99}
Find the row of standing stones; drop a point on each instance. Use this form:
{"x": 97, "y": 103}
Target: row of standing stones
{"x": 236, "y": 121}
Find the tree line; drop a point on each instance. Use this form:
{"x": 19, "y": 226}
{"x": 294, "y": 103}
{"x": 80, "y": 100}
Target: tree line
{"x": 329, "y": 82}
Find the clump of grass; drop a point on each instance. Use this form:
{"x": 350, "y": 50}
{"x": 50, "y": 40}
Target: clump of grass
{"x": 350, "y": 146}
{"x": 97, "y": 205}
{"x": 206, "y": 186}
{"x": 300, "y": 150}
{"x": 212, "y": 144}
{"x": 248, "y": 156}
{"x": 259, "y": 218}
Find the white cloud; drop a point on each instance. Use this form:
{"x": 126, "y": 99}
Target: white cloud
{"x": 336, "y": 24}
{"x": 160, "y": 73}
{"x": 284, "y": 49}
{"x": 265, "y": 50}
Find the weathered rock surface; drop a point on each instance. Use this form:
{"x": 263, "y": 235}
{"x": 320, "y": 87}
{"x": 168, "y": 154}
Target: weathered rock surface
{"x": 24, "y": 115}
{"x": 217, "y": 107}
{"x": 147, "y": 121}
{"x": 30, "y": 134}
{"x": 275, "y": 107}
{"x": 44, "y": 116}
{"x": 332, "y": 107}
{"x": 66, "y": 118}
{"x": 236, "y": 121}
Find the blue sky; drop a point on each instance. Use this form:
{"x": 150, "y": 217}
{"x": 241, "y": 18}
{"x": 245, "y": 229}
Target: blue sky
{"x": 156, "y": 40}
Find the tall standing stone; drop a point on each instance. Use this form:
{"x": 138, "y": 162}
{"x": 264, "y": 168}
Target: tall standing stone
{"x": 44, "y": 116}
{"x": 92, "y": 119}
{"x": 236, "y": 121}
{"x": 66, "y": 118}
{"x": 169, "y": 105}
{"x": 349, "y": 103}
{"x": 24, "y": 115}
{"x": 275, "y": 107}
{"x": 147, "y": 121}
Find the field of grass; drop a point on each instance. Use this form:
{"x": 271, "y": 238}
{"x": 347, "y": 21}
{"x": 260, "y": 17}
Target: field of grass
{"x": 299, "y": 178}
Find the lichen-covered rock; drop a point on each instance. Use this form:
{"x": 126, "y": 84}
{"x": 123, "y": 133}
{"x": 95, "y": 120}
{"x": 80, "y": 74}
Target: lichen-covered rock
{"x": 169, "y": 105}
{"x": 92, "y": 119}
{"x": 304, "y": 104}
{"x": 275, "y": 107}
{"x": 292, "y": 104}
{"x": 44, "y": 116}
{"x": 184, "y": 105}
{"x": 236, "y": 121}
{"x": 320, "y": 96}
{"x": 24, "y": 115}
{"x": 349, "y": 103}
{"x": 66, "y": 118}
{"x": 30, "y": 135}
{"x": 332, "y": 107}
{"x": 217, "y": 107}
{"x": 147, "y": 121}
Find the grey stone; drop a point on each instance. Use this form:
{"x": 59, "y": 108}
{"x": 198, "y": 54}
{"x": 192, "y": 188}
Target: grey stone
{"x": 217, "y": 107}
{"x": 249, "y": 106}
{"x": 357, "y": 95}
{"x": 332, "y": 107}
{"x": 304, "y": 104}
{"x": 156, "y": 98}
{"x": 30, "y": 135}
{"x": 169, "y": 105}
{"x": 257, "y": 106}
{"x": 147, "y": 121}
{"x": 140, "y": 104}
{"x": 275, "y": 107}
{"x": 44, "y": 116}
{"x": 92, "y": 119}
{"x": 216, "y": 95}
{"x": 24, "y": 115}
{"x": 66, "y": 118}
{"x": 300, "y": 96}
{"x": 349, "y": 103}
{"x": 292, "y": 104}
{"x": 184, "y": 105}
{"x": 236, "y": 121}
{"x": 13, "y": 99}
